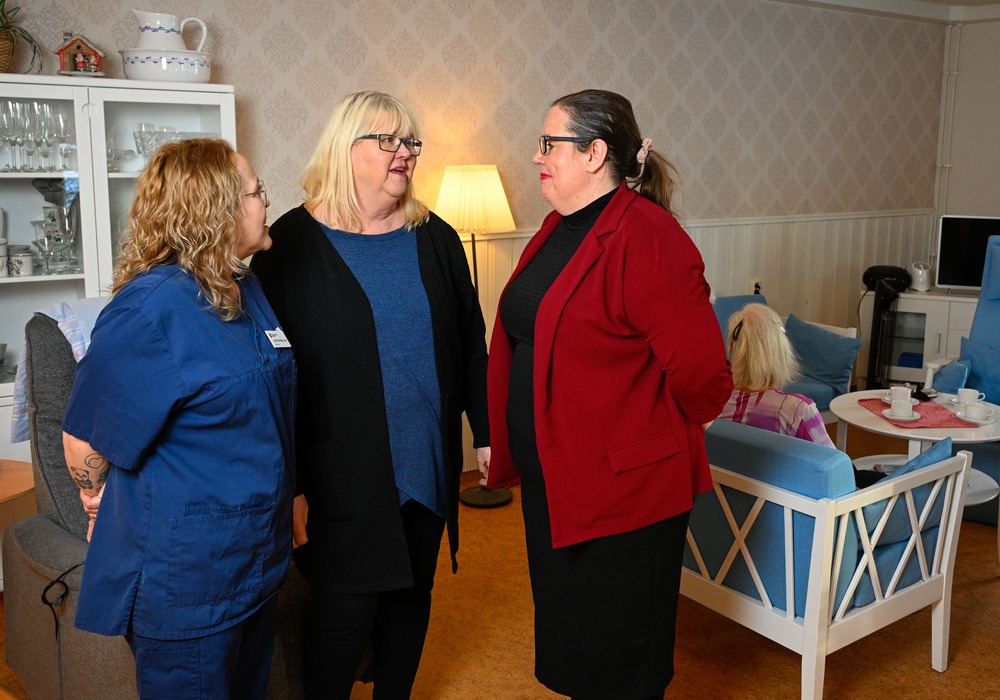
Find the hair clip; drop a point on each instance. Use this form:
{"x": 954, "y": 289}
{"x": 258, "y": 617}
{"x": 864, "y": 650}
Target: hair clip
{"x": 736, "y": 331}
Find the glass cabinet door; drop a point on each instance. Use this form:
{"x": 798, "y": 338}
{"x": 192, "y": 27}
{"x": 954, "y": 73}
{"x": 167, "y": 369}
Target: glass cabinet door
{"x": 129, "y": 125}
{"x": 45, "y": 257}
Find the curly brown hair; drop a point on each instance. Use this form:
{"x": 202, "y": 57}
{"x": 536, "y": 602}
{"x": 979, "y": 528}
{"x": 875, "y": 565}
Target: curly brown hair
{"x": 184, "y": 212}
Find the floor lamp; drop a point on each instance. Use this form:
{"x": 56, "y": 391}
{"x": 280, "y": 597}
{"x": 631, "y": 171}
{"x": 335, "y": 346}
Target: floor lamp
{"x": 473, "y": 201}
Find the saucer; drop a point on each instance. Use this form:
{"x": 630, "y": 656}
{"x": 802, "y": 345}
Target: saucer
{"x": 886, "y": 399}
{"x": 977, "y": 421}
{"x": 908, "y": 419}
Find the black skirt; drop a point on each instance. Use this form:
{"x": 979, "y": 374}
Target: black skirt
{"x": 605, "y": 609}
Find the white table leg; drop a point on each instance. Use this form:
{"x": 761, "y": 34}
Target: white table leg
{"x": 842, "y": 435}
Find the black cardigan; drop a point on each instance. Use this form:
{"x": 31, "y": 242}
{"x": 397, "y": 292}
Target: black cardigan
{"x": 344, "y": 466}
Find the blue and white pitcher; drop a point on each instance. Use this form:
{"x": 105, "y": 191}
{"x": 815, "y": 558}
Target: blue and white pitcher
{"x": 163, "y": 31}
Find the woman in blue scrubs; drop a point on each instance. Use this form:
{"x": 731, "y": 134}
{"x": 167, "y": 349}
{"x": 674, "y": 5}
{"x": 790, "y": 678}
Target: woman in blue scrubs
{"x": 183, "y": 411}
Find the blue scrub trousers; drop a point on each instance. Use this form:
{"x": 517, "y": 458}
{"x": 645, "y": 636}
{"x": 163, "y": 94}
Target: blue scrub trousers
{"x": 233, "y": 663}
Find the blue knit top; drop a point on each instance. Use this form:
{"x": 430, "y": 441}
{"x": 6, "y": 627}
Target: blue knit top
{"x": 386, "y": 267}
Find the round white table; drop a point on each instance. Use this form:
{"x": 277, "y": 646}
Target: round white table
{"x": 850, "y": 413}
{"x": 981, "y": 487}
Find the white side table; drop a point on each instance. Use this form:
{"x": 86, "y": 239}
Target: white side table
{"x": 17, "y": 495}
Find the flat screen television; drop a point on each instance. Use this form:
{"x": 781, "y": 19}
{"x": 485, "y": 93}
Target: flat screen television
{"x": 961, "y": 250}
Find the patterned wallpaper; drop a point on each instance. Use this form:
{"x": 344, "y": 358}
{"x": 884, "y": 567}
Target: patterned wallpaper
{"x": 766, "y": 108}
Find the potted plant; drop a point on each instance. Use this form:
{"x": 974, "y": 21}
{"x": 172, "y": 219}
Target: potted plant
{"x": 11, "y": 34}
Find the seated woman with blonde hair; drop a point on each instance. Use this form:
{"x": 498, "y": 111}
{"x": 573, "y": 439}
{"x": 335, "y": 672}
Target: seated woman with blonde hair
{"x": 763, "y": 360}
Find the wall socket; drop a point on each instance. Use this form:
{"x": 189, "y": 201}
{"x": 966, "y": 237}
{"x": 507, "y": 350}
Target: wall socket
{"x": 754, "y": 286}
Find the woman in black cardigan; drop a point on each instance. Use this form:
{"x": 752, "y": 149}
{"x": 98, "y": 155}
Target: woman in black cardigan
{"x": 374, "y": 294}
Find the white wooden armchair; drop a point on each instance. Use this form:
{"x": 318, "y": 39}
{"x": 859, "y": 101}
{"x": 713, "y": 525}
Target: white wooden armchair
{"x": 816, "y": 574}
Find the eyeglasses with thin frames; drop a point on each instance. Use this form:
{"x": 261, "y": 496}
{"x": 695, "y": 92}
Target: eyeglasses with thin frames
{"x": 260, "y": 192}
{"x": 391, "y": 143}
{"x": 545, "y": 142}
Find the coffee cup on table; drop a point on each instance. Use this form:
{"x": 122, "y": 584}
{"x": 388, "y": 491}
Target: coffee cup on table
{"x": 978, "y": 411}
{"x": 968, "y": 396}
{"x": 901, "y": 408}
{"x": 899, "y": 393}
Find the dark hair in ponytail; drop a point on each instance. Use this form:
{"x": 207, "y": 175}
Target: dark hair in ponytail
{"x": 600, "y": 114}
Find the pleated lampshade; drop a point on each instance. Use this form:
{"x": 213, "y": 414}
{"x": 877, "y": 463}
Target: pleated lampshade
{"x": 472, "y": 200}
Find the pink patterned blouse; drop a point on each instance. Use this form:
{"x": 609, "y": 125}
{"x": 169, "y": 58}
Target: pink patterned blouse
{"x": 790, "y": 414}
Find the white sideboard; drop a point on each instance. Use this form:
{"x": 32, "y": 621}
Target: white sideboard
{"x": 929, "y": 325}
{"x": 98, "y": 166}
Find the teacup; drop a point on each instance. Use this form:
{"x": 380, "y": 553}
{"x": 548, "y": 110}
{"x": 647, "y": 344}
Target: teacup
{"x": 968, "y": 396}
{"x": 978, "y": 411}
{"x": 899, "y": 393}
{"x": 20, "y": 265}
{"x": 901, "y": 408}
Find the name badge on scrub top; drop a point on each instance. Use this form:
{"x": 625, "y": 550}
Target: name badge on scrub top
{"x": 278, "y": 339}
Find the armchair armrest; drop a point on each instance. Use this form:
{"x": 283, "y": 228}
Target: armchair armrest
{"x": 932, "y": 367}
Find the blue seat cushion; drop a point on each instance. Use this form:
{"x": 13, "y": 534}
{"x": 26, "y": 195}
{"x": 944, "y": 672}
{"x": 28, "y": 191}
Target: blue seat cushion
{"x": 824, "y": 356}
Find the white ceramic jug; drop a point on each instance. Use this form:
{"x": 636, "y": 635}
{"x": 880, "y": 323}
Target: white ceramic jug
{"x": 163, "y": 32}
{"x": 920, "y": 273}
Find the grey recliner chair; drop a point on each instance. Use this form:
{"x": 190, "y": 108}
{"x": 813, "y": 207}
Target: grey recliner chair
{"x": 52, "y": 658}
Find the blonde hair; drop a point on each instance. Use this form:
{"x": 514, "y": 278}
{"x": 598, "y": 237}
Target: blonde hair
{"x": 184, "y": 212}
{"x": 328, "y": 179}
{"x": 760, "y": 353}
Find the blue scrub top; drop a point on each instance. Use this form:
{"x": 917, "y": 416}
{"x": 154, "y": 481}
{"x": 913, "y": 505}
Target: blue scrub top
{"x": 196, "y": 416}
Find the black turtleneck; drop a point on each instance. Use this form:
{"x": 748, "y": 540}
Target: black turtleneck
{"x": 518, "y": 311}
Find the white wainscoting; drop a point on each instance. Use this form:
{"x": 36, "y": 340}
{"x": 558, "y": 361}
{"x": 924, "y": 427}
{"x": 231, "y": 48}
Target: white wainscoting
{"x": 810, "y": 266}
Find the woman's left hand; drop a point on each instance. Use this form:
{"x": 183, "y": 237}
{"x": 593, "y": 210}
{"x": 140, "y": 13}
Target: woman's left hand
{"x": 300, "y": 516}
{"x": 483, "y": 462}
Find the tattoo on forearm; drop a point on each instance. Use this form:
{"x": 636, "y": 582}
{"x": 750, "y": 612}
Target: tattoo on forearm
{"x": 82, "y": 478}
{"x": 96, "y": 461}
{"x": 96, "y": 473}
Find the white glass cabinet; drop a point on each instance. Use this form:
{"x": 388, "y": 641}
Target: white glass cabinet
{"x": 93, "y": 160}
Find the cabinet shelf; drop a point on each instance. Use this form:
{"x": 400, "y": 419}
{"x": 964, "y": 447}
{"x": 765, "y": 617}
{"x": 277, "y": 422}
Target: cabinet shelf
{"x": 42, "y": 278}
{"x": 33, "y": 174}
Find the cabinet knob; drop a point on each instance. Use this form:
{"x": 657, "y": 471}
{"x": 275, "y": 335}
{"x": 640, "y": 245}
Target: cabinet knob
{"x": 89, "y": 109}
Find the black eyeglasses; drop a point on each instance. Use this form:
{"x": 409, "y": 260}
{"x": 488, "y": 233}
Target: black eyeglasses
{"x": 545, "y": 142}
{"x": 260, "y": 192}
{"x": 391, "y": 143}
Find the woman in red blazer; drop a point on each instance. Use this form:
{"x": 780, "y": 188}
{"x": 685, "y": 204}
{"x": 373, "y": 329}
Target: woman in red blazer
{"x": 606, "y": 365}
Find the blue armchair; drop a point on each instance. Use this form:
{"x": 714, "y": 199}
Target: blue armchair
{"x": 980, "y": 359}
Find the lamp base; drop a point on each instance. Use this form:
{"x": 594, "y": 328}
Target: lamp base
{"x": 482, "y": 497}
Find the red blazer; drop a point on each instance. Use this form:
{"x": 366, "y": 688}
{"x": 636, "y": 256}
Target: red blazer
{"x": 629, "y": 363}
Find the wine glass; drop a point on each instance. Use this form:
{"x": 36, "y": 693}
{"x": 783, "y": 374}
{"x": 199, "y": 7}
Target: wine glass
{"x": 110, "y": 147}
{"x": 63, "y": 132}
{"x": 44, "y": 134}
{"x": 45, "y": 242}
{"x": 19, "y": 127}
{"x": 7, "y": 134}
